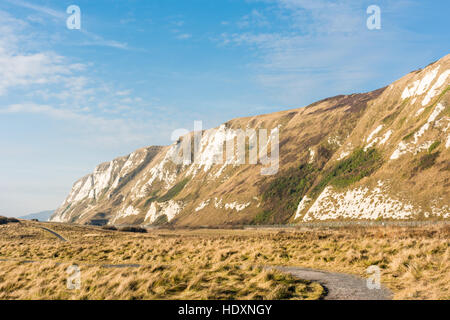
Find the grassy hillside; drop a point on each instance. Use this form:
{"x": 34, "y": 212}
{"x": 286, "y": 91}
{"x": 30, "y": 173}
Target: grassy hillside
{"x": 380, "y": 155}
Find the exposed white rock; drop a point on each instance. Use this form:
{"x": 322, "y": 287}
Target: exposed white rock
{"x": 435, "y": 88}
{"x": 359, "y": 203}
{"x": 170, "y": 208}
{"x": 85, "y": 190}
{"x": 370, "y": 139}
{"x": 302, "y": 206}
{"x": 404, "y": 147}
{"x": 129, "y": 211}
{"x": 419, "y": 112}
{"x": 370, "y": 145}
{"x": 423, "y": 146}
{"x": 211, "y": 150}
{"x": 336, "y": 140}
{"x": 426, "y": 81}
{"x": 59, "y": 218}
{"x": 443, "y": 123}
{"x": 105, "y": 176}
{"x": 151, "y": 213}
{"x": 161, "y": 172}
{"x": 443, "y": 212}
{"x": 212, "y": 143}
{"x": 257, "y": 200}
{"x": 439, "y": 108}
{"x": 410, "y": 90}
{"x": 133, "y": 161}
{"x": 401, "y": 150}
{"x": 374, "y": 132}
{"x": 236, "y": 206}
{"x": 229, "y": 137}
{"x": 419, "y": 87}
{"x": 202, "y": 205}
{"x": 137, "y": 192}
{"x": 380, "y": 140}
{"x": 386, "y": 137}
{"x": 343, "y": 155}
{"x": 220, "y": 171}
{"x": 312, "y": 154}
{"x": 218, "y": 203}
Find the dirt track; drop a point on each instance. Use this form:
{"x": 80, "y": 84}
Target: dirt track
{"x": 339, "y": 286}
{"x": 60, "y": 237}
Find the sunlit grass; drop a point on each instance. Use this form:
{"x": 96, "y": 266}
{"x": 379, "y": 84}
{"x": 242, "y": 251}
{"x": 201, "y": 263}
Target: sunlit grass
{"x": 218, "y": 264}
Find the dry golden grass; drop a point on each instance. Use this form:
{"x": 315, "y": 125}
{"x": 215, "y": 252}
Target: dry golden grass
{"x": 218, "y": 264}
{"x": 166, "y": 272}
{"x": 48, "y": 280}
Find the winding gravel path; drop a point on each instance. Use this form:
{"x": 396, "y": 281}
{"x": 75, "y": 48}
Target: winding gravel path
{"x": 54, "y": 233}
{"x": 339, "y": 286}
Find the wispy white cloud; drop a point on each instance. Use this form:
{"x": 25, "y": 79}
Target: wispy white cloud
{"x": 253, "y": 19}
{"x": 91, "y": 128}
{"x": 9, "y": 28}
{"x": 325, "y": 43}
{"x": 127, "y": 20}
{"x": 93, "y": 39}
{"x": 64, "y": 91}
{"x": 96, "y": 40}
{"x": 41, "y": 9}
{"x": 123, "y": 93}
{"x": 184, "y": 36}
{"x": 89, "y": 120}
{"x": 177, "y": 22}
{"x": 45, "y": 75}
{"x": 21, "y": 69}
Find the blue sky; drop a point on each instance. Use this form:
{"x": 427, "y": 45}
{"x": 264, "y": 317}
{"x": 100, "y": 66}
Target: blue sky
{"x": 137, "y": 70}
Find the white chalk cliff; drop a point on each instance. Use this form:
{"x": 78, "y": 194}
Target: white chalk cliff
{"x": 378, "y": 155}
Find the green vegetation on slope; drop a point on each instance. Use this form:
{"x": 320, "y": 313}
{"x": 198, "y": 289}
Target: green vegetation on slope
{"x": 360, "y": 164}
{"x": 388, "y": 120}
{"x": 153, "y": 197}
{"x": 434, "y": 146}
{"x": 174, "y": 191}
{"x": 161, "y": 220}
{"x": 426, "y": 161}
{"x": 281, "y": 196}
{"x": 263, "y": 217}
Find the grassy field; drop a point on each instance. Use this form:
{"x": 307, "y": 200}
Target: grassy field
{"x": 217, "y": 264}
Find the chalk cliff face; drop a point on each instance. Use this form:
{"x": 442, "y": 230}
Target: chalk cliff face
{"x": 378, "y": 155}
